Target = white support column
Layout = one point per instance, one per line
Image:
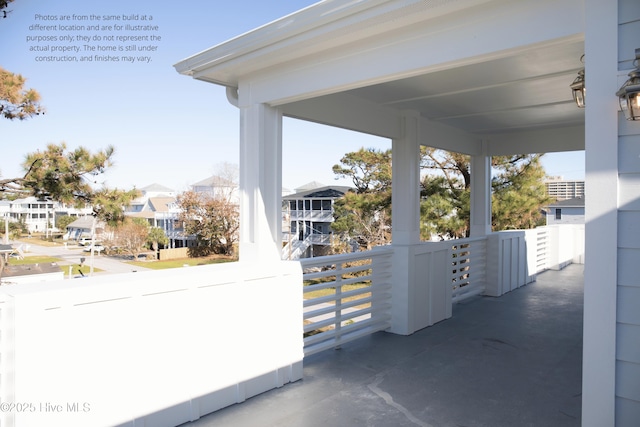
(406, 224)
(406, 183)
(481, 193)
(260, 182)
(601, 214)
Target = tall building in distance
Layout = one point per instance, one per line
(561, 189)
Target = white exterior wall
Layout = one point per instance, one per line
(569, 215)
(628, 298)
(611, 355)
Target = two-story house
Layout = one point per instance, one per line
(307, 218)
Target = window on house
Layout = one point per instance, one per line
(292, 205)
(326, 205)
(316, 205)
(300, 205)
(307, 205)
(558, 213)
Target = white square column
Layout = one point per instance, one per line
(405, 188)
(480, 194)
(405, 202)
(260, 182)
(601, 214)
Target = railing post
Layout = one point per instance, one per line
(338, 306)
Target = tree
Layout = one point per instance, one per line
(16, 102)
(63, 221)
(157, 237)
(369, 170)
(69, 177)
(445, 194)
(214, 221)
(131, 235)
(59, 174)
(3, 5)
(519, 193)
(16, 229)
(365, 215)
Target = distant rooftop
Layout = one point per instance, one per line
(156, 188)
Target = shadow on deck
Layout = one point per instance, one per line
(509, 361)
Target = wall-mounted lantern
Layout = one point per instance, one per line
(629, 93)
(578, 89)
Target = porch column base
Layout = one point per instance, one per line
(422, 289)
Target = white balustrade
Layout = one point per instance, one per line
(345, 297)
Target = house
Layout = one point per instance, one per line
(40, 215)
(84, 228)
(307, 216)
(568, 211)
(218, 187)
(158, 205)
(481, 77)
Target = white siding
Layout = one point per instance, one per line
(628, 307)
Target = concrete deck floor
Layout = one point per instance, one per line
(511, 361)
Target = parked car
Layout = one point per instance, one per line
(84, 241)
(96, 248)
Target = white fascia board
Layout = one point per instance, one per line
(570, 138)
(319, 27)
(281, 31)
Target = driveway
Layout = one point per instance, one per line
(72, 254)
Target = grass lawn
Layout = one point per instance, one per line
(41, 242)
(345, 288)
(33, 260)
(64, 266)
(177, 263)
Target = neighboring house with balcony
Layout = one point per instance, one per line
(218, 187)
(39, 216)
(307, 218)
(568, 211)
(158, 205)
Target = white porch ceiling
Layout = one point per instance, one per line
(527, 90)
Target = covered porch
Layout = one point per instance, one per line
(509, 361)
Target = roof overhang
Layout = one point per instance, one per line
(474, 70)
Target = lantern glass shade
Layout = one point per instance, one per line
(629, 96)
(578, 90)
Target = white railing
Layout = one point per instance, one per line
(320, 239)
(315, 216)
(469, 262)
(539, 241)
(295, 247)
(345, 297)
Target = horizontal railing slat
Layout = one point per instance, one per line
(374, 295)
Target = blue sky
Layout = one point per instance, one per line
(167, 128)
